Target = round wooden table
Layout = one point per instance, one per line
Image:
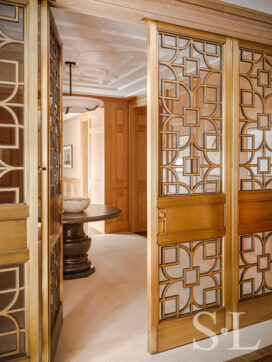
(76, 243)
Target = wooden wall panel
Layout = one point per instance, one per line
(138, 172)
(117, 162)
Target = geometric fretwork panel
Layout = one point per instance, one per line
(255, 120)
(190, 277)
(255, 264)
(11, 103)
(12, 312)
(55, 281)
(55, 116)
(190, 108)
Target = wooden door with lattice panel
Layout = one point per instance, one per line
(19, 272)
(188, 192)
(253, 79)
(52, 248)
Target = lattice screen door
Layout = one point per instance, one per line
(209, 183)
(19, 283)
(51, 95)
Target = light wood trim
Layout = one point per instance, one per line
(262, 195)
(61, 173)
(226, 19)
(16, 2)
(13, 212)
(13, 234)
(190, 200)
(262, 306)
(176, 332)
(31, 142)
(21, 359)
(200, 234)
(233, 9)
(191, 32)
(256, 227)
(245, 44)
(19, 256)
(227, 178)
(45, 338)
(152, 186)
(235, 176)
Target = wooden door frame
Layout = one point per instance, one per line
(211, 15)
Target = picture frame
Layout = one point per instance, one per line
(68, 156)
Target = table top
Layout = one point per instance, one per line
(93, 213)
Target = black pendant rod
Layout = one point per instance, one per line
(70, 64)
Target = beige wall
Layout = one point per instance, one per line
(96, 182)
(71, 176)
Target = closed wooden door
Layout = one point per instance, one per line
(137, 171)
(209, 184)
(253, 187)
(188, 185)
(51, 140)
(19, 244)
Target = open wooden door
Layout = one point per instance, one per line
(19, 272)
(189, 246)
(52, 260)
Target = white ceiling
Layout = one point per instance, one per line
(111, 55)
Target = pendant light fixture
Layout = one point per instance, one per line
(74, 104)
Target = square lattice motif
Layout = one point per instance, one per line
(247, 56)
(210, 94)
(255, 265)
(211, 141)
(191, 116)
(191, 67)
(263, 262)
(247, 243)
(210, 249)
(191, 166)
(191, 277)
(247, 142)
(247, 98)
(263, 78)
(264, 121)
(264, 165)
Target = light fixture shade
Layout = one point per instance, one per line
(73, 104)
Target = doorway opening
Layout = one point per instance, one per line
(107, 164)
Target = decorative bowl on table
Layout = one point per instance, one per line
(75, 204)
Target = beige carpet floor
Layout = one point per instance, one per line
(105, 315)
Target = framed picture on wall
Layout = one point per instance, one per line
(68, 156)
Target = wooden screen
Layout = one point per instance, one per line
(19, 297)
(52, 249)
(187, 231)
(255, 183)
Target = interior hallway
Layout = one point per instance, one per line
(105, 314)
